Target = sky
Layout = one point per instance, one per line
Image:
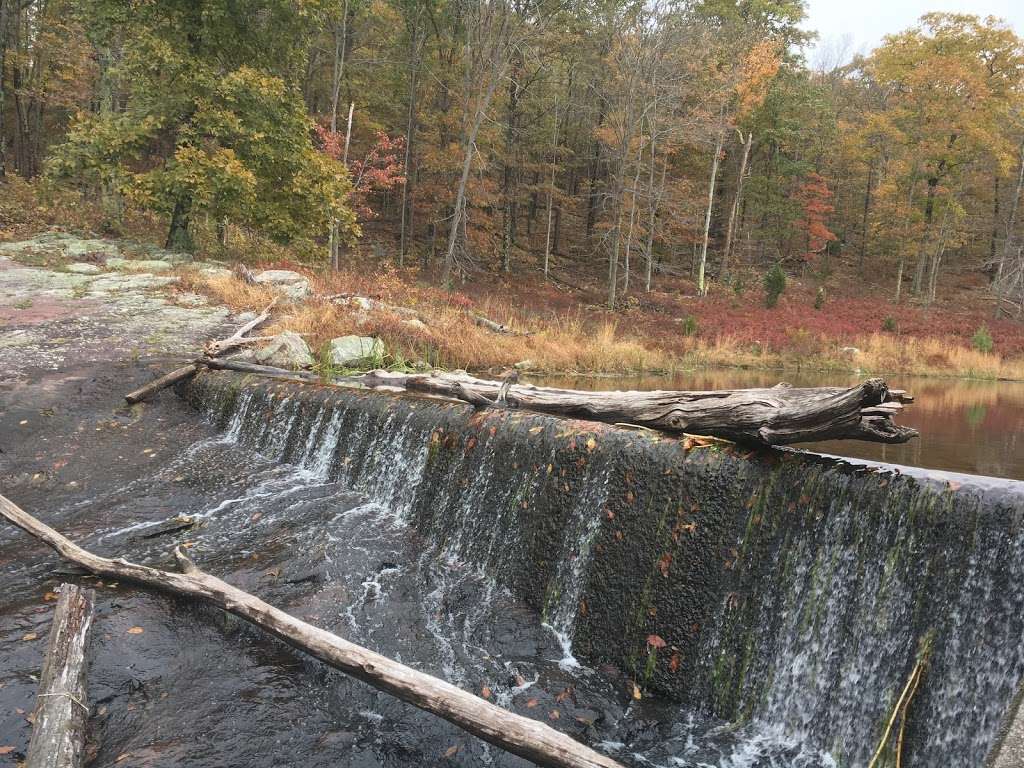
(846, 28)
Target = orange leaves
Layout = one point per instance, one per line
(655, 641)
(136, 631)
(664, 563)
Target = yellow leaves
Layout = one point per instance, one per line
(636, 692)
(30, 637)
(136, 631)
(49, 597)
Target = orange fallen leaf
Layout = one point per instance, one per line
(636, 692)
(30, 636)
(6, 750)
(136, 631)
(655, 641)
(663, 564)
(486, 692)
(673, 664)
(531, 704)
(50, 596)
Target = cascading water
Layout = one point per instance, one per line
(832, 582)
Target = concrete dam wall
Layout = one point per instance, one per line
(765, 585)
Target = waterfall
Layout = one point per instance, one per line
(791, 594)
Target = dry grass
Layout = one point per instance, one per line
(569, 342)
(450, 338)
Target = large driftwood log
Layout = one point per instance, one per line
(530, 739)
(58, 731)
(779, 415)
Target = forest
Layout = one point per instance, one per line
(631, 149)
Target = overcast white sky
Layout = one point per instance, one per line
(846, 27)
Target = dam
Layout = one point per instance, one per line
(785, 598)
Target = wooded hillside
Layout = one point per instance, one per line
(626, 140)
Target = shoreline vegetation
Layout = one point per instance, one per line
(563, 330)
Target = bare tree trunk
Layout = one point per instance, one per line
(551, 193)
(337, 73)
(632, 216)
(1011, 235)
(58, 730)
(531, 739)
(864, 219)
(730, 232)
(702, 287)
(653, 216)
(509, 166)
(406, 230)
(5, 7)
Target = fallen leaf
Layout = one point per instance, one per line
(673, 664)
(486, 692)
(122, 756)
(636, 692)
(655, 641)
(591, 444)
(531, 704)
(663, 564)
(6, 750)
(553, 714)
(30, 636)
(450, 752)
(50, 596)
(562, 696)
(136, 631)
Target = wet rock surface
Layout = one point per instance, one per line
(172, 684)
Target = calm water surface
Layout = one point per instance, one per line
(975, 427)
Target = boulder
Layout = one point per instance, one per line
(349, 350)
(286, 350)
(291, 284)
(139, 265)
(83, 268)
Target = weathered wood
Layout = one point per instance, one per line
(167, 380)
(237, 339)
(213, 349)
(523, 736)
(490, 325)
(58, 731)
(779, 415)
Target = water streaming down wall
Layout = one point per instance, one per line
(765, 586)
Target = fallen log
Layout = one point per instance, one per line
(167, 380)
(523, 736)
(490, 325)
(213, 349)
(237, 339)
(778, 415)
(58, 730)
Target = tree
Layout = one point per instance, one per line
(204, 128)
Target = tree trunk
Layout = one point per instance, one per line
(179, 236)
(530, 739)
(406, 227)
(5, 6)
(551, 194)
(467, 163)
(509, 168)
(730, 232)
(702, 287)
(58, 730)
(864, 219)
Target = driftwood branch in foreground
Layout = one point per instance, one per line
(213, 349)
(58, 731)
(530, 739)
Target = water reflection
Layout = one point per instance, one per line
(975, 427)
